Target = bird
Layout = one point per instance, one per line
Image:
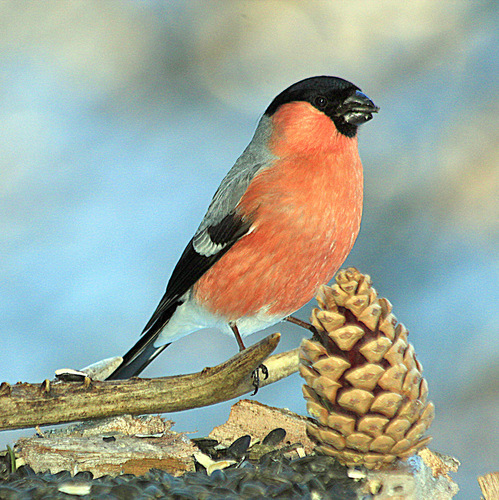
(281, 223)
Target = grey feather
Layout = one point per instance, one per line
(254, 158)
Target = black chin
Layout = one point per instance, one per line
(348, 129)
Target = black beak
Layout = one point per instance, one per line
(357, 108)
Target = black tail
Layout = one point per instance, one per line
(137, 358)
(143, 352)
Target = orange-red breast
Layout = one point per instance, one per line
(281, 223)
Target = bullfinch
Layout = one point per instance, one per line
(281, 223)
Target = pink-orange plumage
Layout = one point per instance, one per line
(307, 209)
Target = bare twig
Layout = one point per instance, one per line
(27, 405)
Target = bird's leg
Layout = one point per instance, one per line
(240, 342)
(256, 374)
(301, 323)
(304, 324)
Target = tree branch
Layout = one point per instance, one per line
(27, 405)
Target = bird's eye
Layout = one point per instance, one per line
(320, 102)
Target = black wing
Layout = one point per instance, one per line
(206, 248)
(201, 253)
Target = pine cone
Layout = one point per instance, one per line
(363, 381)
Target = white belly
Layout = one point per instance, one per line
(190, 317)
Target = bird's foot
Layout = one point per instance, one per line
(256, 377)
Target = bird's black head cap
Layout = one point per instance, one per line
(339, 99)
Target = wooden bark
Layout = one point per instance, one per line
(489, 484)
(28, 405)
(257, 420)
(120, 445)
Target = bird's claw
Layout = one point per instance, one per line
(256, 377)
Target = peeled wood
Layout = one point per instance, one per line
(257, 420)
(133, 446)
(27, 405)
(489, 484)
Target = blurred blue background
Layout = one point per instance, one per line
(119, 119)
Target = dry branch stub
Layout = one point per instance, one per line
(364, 385)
